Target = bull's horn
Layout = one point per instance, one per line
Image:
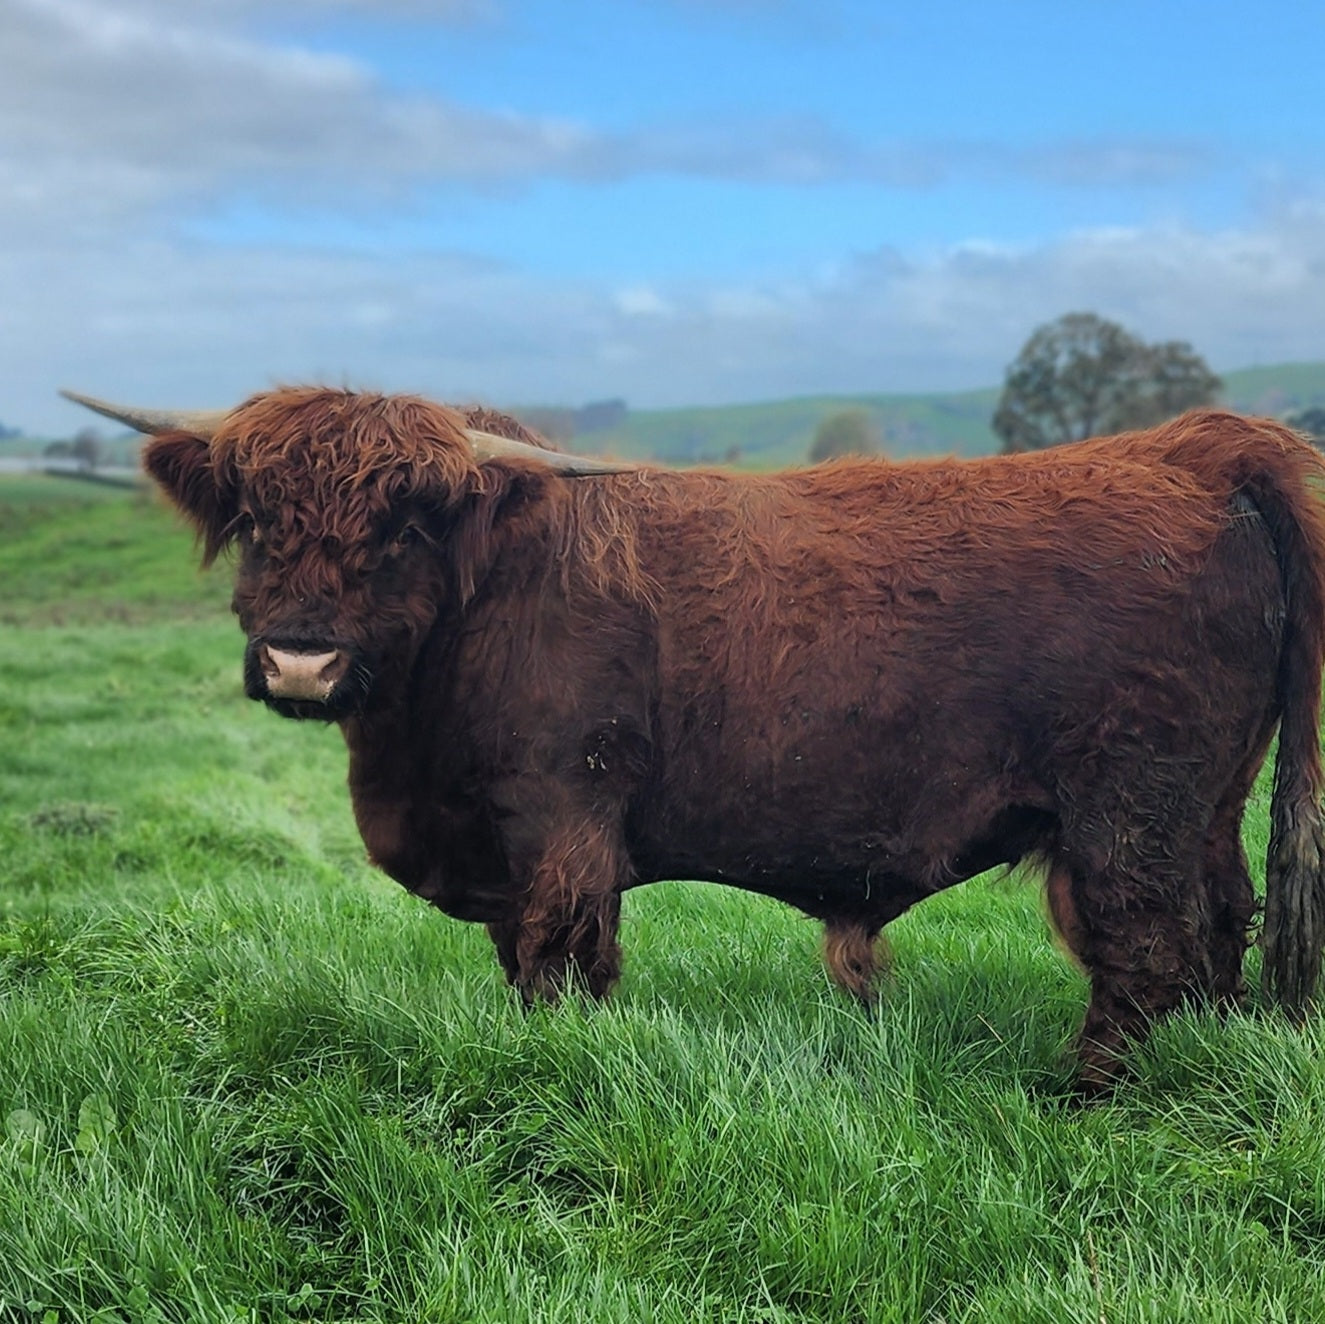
(201, 422)
(489, 446)
(204, 423)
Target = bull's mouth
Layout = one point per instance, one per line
(318, 681)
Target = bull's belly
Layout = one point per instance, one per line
(881, 895)
(861, 872)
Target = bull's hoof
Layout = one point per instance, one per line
(1101, 1069)
(548, 984)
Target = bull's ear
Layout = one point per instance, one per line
(184, 466)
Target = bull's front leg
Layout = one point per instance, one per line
(569, 872)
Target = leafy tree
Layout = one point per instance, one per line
(1083, 376)
(86, 448)
(1311, 421)
(848, 432)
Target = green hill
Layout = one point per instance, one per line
(1281, 389)
(775, 433)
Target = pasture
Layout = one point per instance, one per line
(243, 1077)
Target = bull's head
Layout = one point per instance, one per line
(356, 517)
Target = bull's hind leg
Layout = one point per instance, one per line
(1143, 961)
(1232, 905)
(1136, 917)
(1231, 899)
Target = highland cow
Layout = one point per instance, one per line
(846, 687)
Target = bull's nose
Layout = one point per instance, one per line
(301, 675)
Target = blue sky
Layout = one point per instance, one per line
(677, 201)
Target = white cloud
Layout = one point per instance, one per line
(205, 328)
(114, 116)
(125, 106)
(1116, 162)
(642, 301)
(444, 11)
(121, 118)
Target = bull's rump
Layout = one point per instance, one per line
(890, 681)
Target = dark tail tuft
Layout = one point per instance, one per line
(1294, 931)
(1286, 481)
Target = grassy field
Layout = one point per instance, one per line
(243, 1077)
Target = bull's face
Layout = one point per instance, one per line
(331, 622)
(350, 517)
(359, 520)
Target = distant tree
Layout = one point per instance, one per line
(1082, 376)
(599, 415)
(848, 432)
(58, 450)
(732, 455)
(86, 448)
(1311, 421)
(561, 424)
(1171, 377)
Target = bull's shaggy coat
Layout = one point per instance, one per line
(846, 687)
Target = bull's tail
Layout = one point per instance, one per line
(1285, 477)
(1286, 480)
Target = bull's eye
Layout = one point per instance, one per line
(245, 528)
(411, 535)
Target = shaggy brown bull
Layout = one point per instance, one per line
(846, 687)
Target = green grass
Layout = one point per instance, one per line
(41, 490)
(245, 1077)
(74, 552)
